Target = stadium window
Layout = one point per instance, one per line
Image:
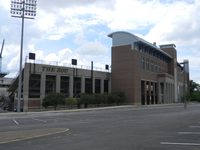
(64, 86)
(34, 86)
(50, 84)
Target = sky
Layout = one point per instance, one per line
(77, 29)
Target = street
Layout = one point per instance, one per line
(160, 127)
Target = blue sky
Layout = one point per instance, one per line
(66, 29)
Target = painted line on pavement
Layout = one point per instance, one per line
(44, 121)
(188, 132)
(15, 121)
(33, 137)
(194, 126)
(184, 144)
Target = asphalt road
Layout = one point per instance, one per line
(125, 128)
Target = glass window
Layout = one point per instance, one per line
(106, 86)
(64, 86)
(50, 84)
(77, 87)
(97, 86)
(34, 86)
(88, 85)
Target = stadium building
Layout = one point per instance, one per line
(146, 73)
(39, 80)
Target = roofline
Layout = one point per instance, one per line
(141, 40)
(111, 34)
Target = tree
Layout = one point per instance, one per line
(194, 86)
(194, 91)
(53, 99)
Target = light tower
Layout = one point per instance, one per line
(1, 54)
(24, 9)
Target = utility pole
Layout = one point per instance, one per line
(24, 9)
(1, 55)
(92, 77)
(184, 87)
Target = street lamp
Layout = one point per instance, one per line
(185, 70)
(24, 9)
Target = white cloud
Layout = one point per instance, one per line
(92, 48)
(5, 4)
(181, 24)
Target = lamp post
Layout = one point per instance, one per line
(92, 74)
(24, 9)
(184, 90)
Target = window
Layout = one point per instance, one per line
(106, 86)
(88, 85)
(34, 86)
(97, 86)
(64, 86)
(77, 87)
(147, 64)
(50, 84)
(143, 63)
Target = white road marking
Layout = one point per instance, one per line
(185, 144)
(194, 126)
(39, 120)
(188, 132)
(15, 121)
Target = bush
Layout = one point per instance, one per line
(87, 99)
(53, 99)
(99, 99)
(96, 99)
(117, 98)
(71, 101)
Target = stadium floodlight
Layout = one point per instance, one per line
(24, 9)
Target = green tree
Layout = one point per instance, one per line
(194, 91)
(54, 100)
(194, 86)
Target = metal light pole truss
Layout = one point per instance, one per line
(24, 9)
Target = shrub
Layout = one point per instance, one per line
(99, 99)
(71, 101)
(117, 98)
(53, 99)
(86, 99)
(96, 99)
